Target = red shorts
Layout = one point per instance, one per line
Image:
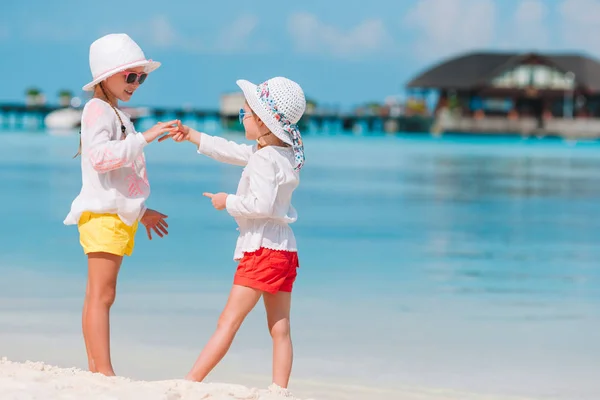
(267, 270)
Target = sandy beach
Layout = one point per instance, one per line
(37, 380)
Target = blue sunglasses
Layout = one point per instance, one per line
(243, 114)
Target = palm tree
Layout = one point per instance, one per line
(64, 97)
(34, 96)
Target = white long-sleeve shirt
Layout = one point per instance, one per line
(262, 204)
(113, 170)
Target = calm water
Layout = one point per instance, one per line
(456, 263)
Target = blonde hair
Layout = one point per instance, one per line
(79, 149)
(98, 85)
(268, 139)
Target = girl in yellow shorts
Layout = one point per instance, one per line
(114, 183)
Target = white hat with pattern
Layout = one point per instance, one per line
(280, 103)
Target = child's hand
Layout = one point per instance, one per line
(181, 134)
(160, 128)
(219, 200)
(154, 220)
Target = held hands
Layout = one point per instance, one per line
(219, 200)
(183, 133)
(159, 128)
(153, 220)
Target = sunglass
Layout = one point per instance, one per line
(243, 114)
(131, 77)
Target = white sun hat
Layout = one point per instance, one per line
(280, 103)
(114, 53)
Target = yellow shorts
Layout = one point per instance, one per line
(106, 233)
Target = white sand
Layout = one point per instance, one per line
(36, 380)
(40, 381)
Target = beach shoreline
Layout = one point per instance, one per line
(428, 365)
(36, 380)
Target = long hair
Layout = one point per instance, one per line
(106, 97)
(79, 149)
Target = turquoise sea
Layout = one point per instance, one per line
(467, 264)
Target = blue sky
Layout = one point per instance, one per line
(343, 53)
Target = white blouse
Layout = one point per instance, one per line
(113, 170)
(262, 204)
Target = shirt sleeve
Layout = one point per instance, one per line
(225, 150)
(142, 211)
(262, 191)
(107, 154)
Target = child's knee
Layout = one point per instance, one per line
(281, 329)
(105, 295)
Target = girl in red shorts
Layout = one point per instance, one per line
(266, 247)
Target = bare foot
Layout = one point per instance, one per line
(107, 373)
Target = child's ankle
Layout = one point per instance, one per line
(275, 388)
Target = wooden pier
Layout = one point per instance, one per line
(23, 117)
(14, 116)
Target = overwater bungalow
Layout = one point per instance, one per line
(520, 93)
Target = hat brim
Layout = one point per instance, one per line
(148, 65)
(249, 90)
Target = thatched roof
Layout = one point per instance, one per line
(474, 70)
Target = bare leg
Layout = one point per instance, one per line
(278, 318)
(88, 349)
(241, 301)
(103, 269)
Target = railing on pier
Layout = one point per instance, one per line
(20, 116)
(14, 116)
